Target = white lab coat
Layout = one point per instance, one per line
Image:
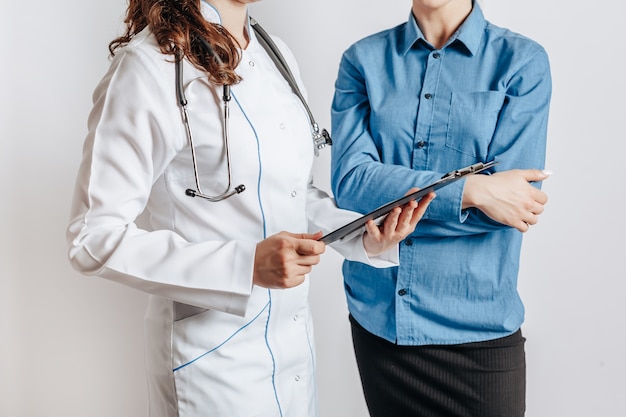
(216, 345)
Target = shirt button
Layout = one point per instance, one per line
(402, 292)
(408, 242)
(421, 144)
(428, 96)
(294, 193)
(436, 55)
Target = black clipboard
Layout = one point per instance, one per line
(447, 179)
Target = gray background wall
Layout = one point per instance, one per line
(72, 346)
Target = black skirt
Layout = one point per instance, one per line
(482, 379)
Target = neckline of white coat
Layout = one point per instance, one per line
(211, 14)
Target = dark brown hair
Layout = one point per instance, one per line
(178, 26)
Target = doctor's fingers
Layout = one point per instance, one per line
(422, 205)
(309, 247)
(310, 236)
(301, 243)
(404, 221)
(413, 211)
(280, 281)
(290, 275)
(395, 217)
(277, 272)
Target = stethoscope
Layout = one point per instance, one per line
(320, 138)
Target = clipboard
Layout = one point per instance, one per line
(447, 179)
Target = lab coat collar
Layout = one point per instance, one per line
(211, 14)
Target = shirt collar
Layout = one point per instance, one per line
(471, 31)
(469, 34)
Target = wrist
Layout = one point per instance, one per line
(371, 247)
(471, 193)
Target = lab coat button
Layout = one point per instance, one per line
(295, 318)
(282, 126)
(293, 193)
(251, 63)
(297, 378)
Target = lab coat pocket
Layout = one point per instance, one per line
(218, 360)
(472, 121)
(183, 311)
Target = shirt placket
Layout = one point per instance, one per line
(426, 109)
(408, 253)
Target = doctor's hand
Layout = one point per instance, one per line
(508, 197)
(397, 225)
(282, 260)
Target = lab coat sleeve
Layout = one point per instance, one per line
(324, 215)
(134, 132)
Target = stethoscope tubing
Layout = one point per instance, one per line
(182, 101)
(320, 138)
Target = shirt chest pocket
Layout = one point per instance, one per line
(472, 120)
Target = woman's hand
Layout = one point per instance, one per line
(282, 260)
(398, 224)
(508, 197)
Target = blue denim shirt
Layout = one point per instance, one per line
(405, 113)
